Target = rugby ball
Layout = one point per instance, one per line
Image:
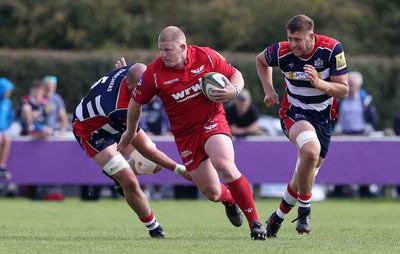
(210, 81)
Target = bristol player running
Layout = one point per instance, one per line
(98, 122)
(315, 72)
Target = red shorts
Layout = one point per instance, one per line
(191, 143)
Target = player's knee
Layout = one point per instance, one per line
(311, 154)
(212, 194)
(212, 197)
(131, 187)
(229, 173)
(142, 165)
(223, 167)
(129, 184)
(147, 147)
(115, 165)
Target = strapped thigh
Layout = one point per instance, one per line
(116, 164)
(305, 137)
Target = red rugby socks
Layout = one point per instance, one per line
(243, 196)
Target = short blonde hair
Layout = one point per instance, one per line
(172, 34)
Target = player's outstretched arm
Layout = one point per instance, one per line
(132, 121)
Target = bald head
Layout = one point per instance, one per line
(172, 34)
(134, 73)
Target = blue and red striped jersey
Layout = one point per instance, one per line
(103, 110)
(328, 59)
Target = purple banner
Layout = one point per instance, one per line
(267, 160)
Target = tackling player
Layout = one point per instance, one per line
(98, 122)
(198, 124)
(315, 72)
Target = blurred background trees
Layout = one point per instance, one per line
(101, 30)
(364, 26)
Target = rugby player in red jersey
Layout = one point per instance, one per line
(198, 124)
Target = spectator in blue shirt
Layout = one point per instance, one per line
(6, 119)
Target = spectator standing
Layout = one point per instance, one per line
(57, 117)
(357, 112)
(243, 116)
(6, 119)
(357, 117)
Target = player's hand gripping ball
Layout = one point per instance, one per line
(210, 81)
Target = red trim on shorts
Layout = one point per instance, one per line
(84, 130)
(287, 121)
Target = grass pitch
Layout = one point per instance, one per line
(109, 226)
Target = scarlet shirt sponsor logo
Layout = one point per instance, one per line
(198, 70)
(171, 81)
(210, 127)
(188, 93)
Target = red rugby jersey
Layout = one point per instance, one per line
(180, 90)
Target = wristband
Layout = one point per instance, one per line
(179, 169)
(237, 90)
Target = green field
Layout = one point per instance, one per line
(108, 226)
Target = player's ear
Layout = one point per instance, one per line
(313, 36)
(183, 47)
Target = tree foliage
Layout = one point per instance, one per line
(364, 26)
